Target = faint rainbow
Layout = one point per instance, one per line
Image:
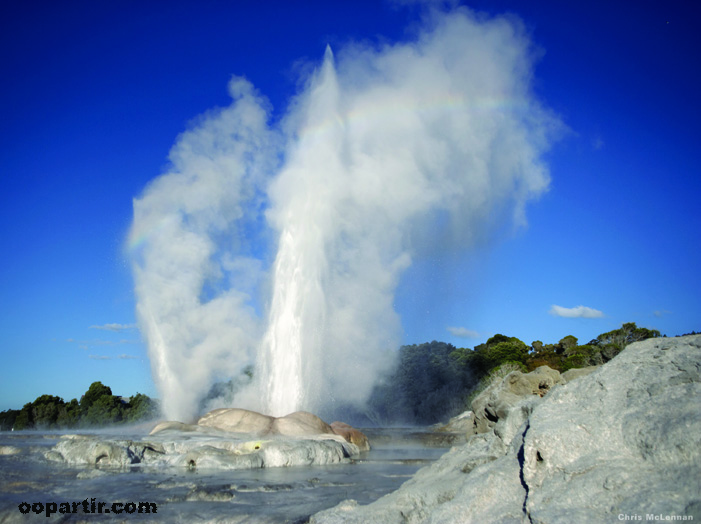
(138, 236)
(367, 114)
(398, 108)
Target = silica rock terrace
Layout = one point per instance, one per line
(620, 443)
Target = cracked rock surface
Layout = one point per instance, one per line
(623, 440)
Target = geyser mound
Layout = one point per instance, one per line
(386, 154)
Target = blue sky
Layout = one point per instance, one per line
(95, 94)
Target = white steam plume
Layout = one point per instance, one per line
(387, 153)
(191, 261)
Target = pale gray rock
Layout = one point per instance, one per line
(300, 424)
(91, 451)
(500, 397)
(174, 425)
(211, 450)
(575, 373)
(237, 420)
(431, 487)
(297, 424)
(462, 423)
(333, 449)
(624, 440)
(627, 438)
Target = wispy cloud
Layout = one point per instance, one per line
(462, 332)
(114, 327)
(575, 312)
(85, 344)
(123, 356)
(661, 313)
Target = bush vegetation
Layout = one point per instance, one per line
(97, 407)
(435, 381)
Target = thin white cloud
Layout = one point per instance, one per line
(575, 312)
(99, 357)
(85, 344)
(462, 332)
(661, 313)
(127, 357)
(114, 327)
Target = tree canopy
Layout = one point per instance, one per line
(97, 407)
(433, 381)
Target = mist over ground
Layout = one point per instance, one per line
(280, 243)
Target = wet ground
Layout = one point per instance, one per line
(273, 495)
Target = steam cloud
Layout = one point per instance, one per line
(282, 244)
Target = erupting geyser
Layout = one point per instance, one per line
(384, 150)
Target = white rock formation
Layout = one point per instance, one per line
(222, 439)
(623, 441)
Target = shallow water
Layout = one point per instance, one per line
(261, 495)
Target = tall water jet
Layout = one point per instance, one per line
(387, 154)
(302, 207)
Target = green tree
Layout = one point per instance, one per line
(140, 407)
(69, 415)
(626, 334)
(94, 392)
(7, 419)
(45, 411)
(568, 342)
(613, 342)
(25, 419)
(107, 409)
(497, 350)
(513, 350)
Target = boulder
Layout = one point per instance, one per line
(173, 425)
(622, 443)
(495, 402)
(300, 424)
(297, 424)
(91, 452)
(575, 373)
(352, 435)
(236, 420)
(462, 423)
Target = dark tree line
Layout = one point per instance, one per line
(433, 381)
(97, 407)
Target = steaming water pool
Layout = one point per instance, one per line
(261, 495)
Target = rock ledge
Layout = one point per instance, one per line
(623, 440)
